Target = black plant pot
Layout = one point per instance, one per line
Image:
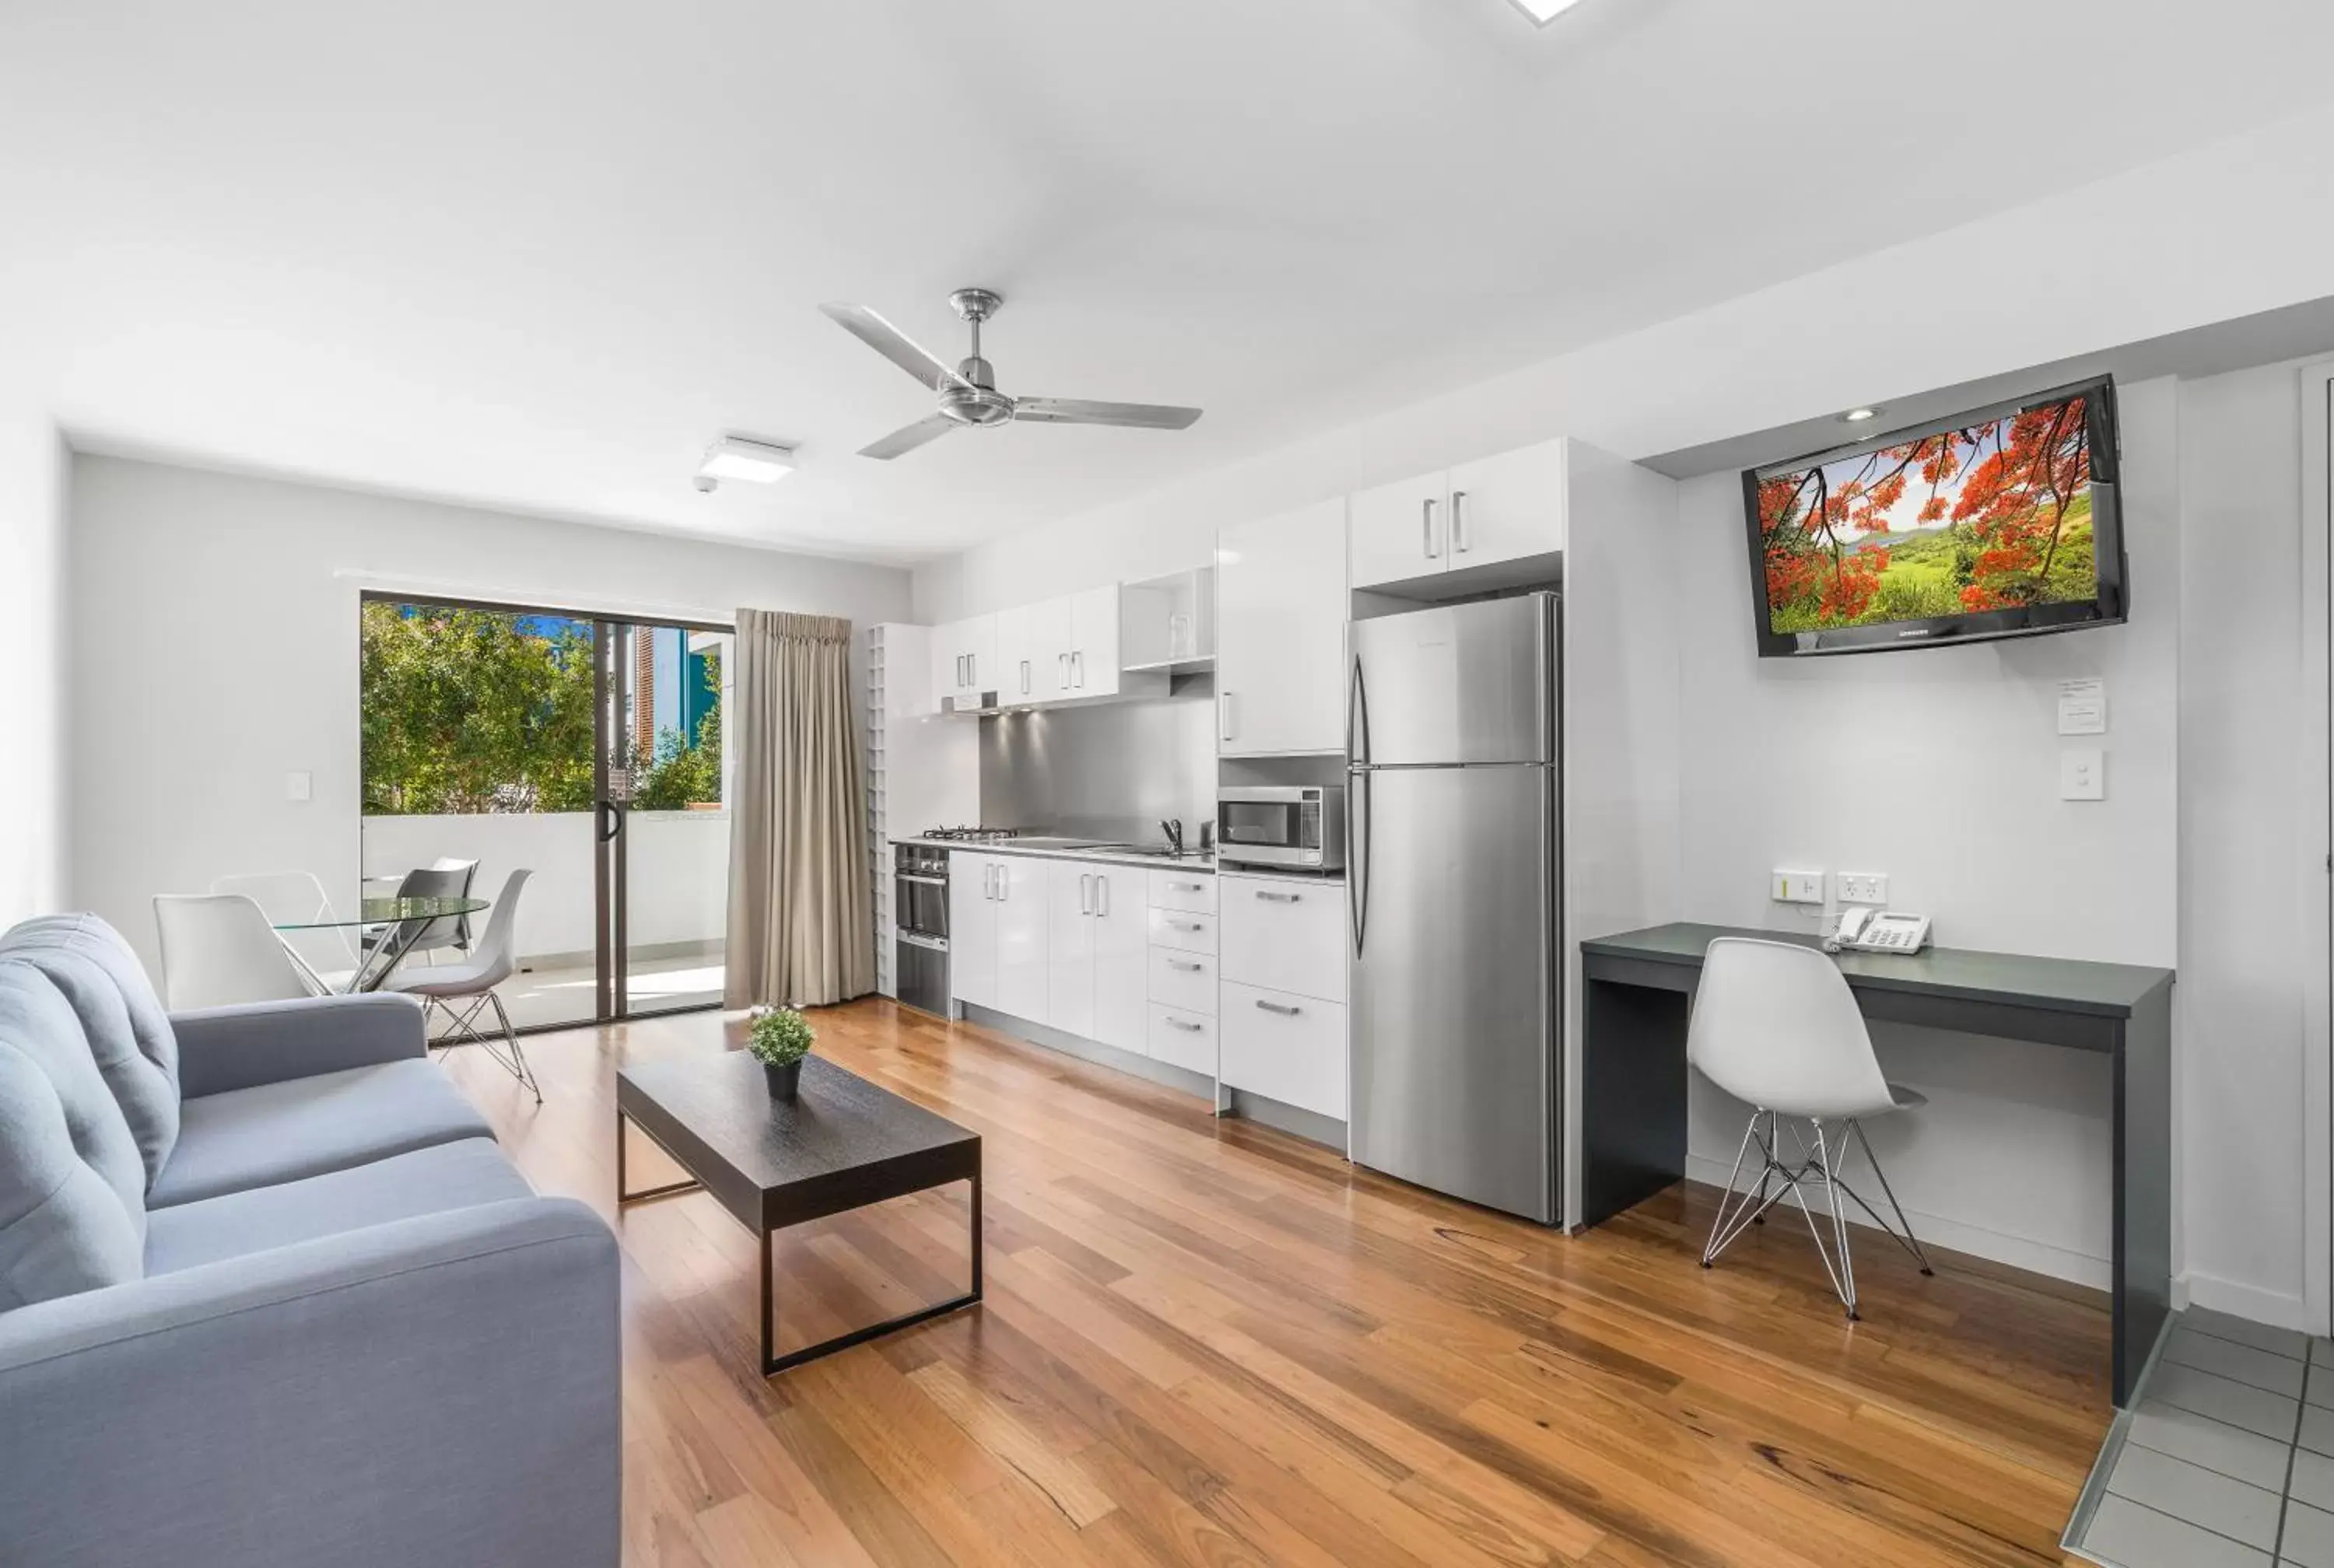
(783, 1081)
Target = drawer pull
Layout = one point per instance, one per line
(1187, 969)
(1276, 897)
(1187, 887)
(1187, 1028)
(1185, 925)
(1283, 1009)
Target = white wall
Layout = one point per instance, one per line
(214, 650)
(33, 738)
(1939, 767)
(2243, 864)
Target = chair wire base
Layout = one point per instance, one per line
(506, 1050)
(1741, 1206)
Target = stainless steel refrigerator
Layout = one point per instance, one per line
(1454, 877)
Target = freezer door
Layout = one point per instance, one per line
(1460, 683)
(1454, 983)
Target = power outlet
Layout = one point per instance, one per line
(1797, 887)
(1862, 888)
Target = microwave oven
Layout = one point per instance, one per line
(1293, 826)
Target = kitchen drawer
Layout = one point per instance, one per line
(1185, 1040)
(1188, 890)
(1285, 1047)
(1183, 979)
(1285, 934)
(1186, 932)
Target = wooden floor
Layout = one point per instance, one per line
(1205, 1343)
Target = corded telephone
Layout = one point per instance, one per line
(1868, 930)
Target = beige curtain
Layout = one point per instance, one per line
(802, 931)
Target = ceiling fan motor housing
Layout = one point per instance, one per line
(976, 399)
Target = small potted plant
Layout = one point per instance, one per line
(779, 1040)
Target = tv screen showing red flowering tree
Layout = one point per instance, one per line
(1996, 513)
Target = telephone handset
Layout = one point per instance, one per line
(1867, 931)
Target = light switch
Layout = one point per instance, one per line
(2082, 776)
(298, 787)
(1797, 888)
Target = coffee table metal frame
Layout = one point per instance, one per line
(850, 1188)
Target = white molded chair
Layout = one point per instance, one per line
(473, 984)
(322, 951)
(1775, 1025)
(217, 950)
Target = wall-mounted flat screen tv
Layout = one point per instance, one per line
(2001, 522)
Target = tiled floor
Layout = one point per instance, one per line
(2228, 1458)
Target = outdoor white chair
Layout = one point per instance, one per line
(472, 984)
(444, 878)
(1775, 1025)
(217, 950)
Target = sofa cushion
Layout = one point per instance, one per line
(128, 1032)
(303, 1127)
(402, 1187)
(73, 1213)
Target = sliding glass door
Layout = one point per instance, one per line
(586, 751)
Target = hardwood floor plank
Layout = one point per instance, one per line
(1206, 1342)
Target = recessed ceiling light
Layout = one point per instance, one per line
(1544, 12)
(1857, 416)
(736, 457)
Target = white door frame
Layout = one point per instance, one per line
(2314, 837)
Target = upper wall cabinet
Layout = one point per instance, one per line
(964, 657)
(1281, 634)
(1031, 641)
(1480, 513)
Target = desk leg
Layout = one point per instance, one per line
(2143, 1187)
(1633, 1076)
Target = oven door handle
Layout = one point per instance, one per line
(922, 881)
(918, 939)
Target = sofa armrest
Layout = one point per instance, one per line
(238, 1047)
(441, 1390)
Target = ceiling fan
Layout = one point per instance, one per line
(969, 394)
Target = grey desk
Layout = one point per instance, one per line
(1636, 988)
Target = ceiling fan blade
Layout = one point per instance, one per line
(1080, 411)
(894, 345)
(930, 427)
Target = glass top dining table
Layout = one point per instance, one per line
(399, 923)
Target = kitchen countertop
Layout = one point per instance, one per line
(1067, 850)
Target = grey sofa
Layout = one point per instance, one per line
(270, 1294)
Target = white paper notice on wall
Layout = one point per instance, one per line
(2083, 706)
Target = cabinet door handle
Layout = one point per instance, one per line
(1276, 897)
(1025, 677)
(1458, 522)
(1187, 1028)
(1062, 671)
(1102, 894)
(1186, 968)
(1283, 1009)
(1427, 526)
(1079, 670)
(1004, 884)
(1086, 895)
(1224, 714)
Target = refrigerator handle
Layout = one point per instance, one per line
(1357, 857)
(1357, 718)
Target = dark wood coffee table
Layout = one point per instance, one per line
(844, 1144)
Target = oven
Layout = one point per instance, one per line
(920, 927)
(1299, 826)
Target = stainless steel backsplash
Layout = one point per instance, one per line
(1109, 772)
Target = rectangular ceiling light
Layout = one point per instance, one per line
(1544, 12)
(736, 457)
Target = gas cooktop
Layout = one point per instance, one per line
(972, 835)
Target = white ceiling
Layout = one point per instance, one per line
(537, 255)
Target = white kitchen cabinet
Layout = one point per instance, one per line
(1509, 506)
(1281, 634)
(1285, 934)
(1184, 933)
(1032, 642)
(964, 656)
(1121, 938)
(1183, 980)
(972, 929)
(1183, 1038)
(1480, 513)
(1400, 531)
(1069, 951)
(1284, 1047)
(1093, 663)
(1024, 976)
(1193, 891)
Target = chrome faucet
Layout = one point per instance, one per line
(1173, 828)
